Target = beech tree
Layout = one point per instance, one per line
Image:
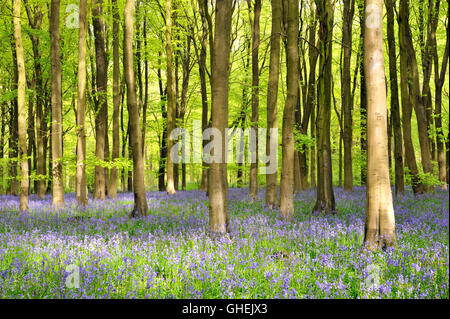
(81, 187)
(254, 22)
(100, 100)
(22, 110)
(140, 201)
(113, 179)
(347, 101)
(217, 183)
(272, 95)
(380, 221)
(171, 99)
(287, 164)
(395, 105)
(56, 134)
(325, 195)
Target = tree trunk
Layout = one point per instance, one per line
(140, 200)
(171, 99)
(218, 184)
(287, 169)
(312, 92)
(22, 109)
(113, 179)
(380, 221)
(81, 194)
(203, 88)
(13, 129)
(253, 187)
(325, 195)
(349, 10)
(2, 145)
(414, 89)
(395, 105)
(57, 141)
(163, 137)
(272, 97)
(417, 185)
(439, 80)
(35, 23)
(427, 65)
(101, 99)
(363, 99)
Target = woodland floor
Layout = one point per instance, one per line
(168, 254)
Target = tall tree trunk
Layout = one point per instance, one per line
(13, 129)
(312, 92)
(287, 169)
(81, 194)
(186, 65)
(171, 99)
(395, 105)
(427, 64)
(203, 88)
(56, 140)
(22, 109)
(2, 145)
(145, 102)
(349, 10)
(439, 80)
(101, 99)
(253, 187)
(325, 195)
(272, 97)
(113, 179)
(414, 89)
(380, 221)
(140, 201)
(163, 138)
(363, 98)
(35, 23)
(218, 183)
(417, 185)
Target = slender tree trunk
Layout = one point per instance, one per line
(113, 179)
(287, 169)
(186, 65)
(124, 136)
(218, 184)
(272, 97)
(417, 185)
(82, 196)
(140, 201)
(325, 194)
(101, 87)
(395, 105)
(13, 128)
(427, 65)
(380, 220)
(22, 109)
(253, 187)
(439, 80)
(414, 89)
(35, 23)
(297, 124)
(2, 146)
(171, 99)
(145, 102)
(349, 10)
(56, 140)
(363, 98)
(203, 88)
(312, 92)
